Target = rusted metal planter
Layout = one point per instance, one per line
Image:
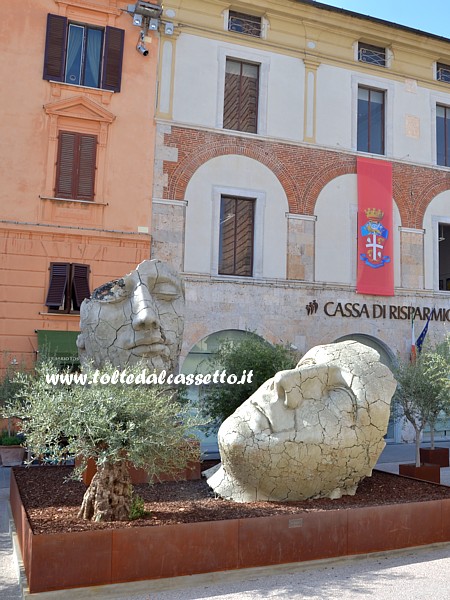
(435, 456)
(426, 472)
(11, 456)
(52, 561)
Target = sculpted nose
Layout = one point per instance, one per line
(144, 313)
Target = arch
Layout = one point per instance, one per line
(387, 357)
(427, 195)
(186, 168)
(335, 241)
(344, 165)
(244, 177)
(196, 361)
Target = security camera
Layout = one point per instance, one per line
(168, 29)
(142, 49)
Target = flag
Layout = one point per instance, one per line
(375, 271)
(413, 342)
(421, 338)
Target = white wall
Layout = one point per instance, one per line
(336, 233)
(334, 101)
(410, 113)
(199, 84)
(241, 176)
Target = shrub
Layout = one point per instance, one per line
(137, 508)
(252, 354)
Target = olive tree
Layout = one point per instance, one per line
(423, 390)
(438, 372)
(115, 424)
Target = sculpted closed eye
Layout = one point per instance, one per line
(167, 292)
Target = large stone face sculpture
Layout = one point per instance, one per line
(314, 431)
(139, 317)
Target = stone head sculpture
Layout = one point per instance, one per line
(310, 432)
(137, 318)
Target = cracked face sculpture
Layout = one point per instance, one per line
(314, 431)
(136, 318)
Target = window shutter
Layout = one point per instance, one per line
(244, 237)
(80, 285)
(112, 60)
(86, 167)
(55, 48)
(248, 103)
(236, 236)
(240, 111)
(231, 101)
(75, 171)
(59, 275)
(67, 154)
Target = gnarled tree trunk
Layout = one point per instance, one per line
(108, 498)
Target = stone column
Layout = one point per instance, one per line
(300, 247)
(412, 258)
(168, 218)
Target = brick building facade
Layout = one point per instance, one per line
(331, 85)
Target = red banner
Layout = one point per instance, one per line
(375, 273)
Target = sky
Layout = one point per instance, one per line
(432, 16)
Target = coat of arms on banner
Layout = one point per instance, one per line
(375, 235)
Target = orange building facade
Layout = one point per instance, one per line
(76, 151)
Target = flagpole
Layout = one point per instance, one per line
(413, 342)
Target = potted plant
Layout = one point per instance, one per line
(12, 451)
(422, 385)
(439, 365)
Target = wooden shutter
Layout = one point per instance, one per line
(59, 276)
(75, 171)
(66, 165)
(231, 102)
(80, 285)
(240, 111)
(87, 154)
(227, 235)
(244, 237)
(112, 60)
(55, 48)
(248, 113)
(236, 236)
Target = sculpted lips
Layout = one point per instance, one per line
(148, 345)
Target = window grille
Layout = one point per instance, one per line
(373, 55)
(242, 23)
(443, 72)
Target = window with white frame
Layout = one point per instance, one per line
(371, 120)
